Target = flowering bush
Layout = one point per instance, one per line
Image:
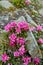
(20, 3)
(14, 45)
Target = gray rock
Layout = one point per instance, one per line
(41, 2)
(4, 20)
(32, 46)
(21, 19)
(41, 11)
(0, 57)
(29, 19)
(6, 4)
(22, 12)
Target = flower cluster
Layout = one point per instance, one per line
(26, 60)
(13, 25)
(5, 57)
(36, 61)
(9, 26)
(17, 44)
(38, 28)
(40, 41)
(20, 51)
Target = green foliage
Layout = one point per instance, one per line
(36, 4)
(3, 42)
(41, 63)
(1, 8)
(0, 63)
(31, 63)
(19, 3)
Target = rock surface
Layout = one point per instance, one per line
(32, 46)
(6, 4)
(41, 11)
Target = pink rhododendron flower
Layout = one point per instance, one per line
(21, 41)
(39, 28)
(9, 63)
(40, 40)
(32, 28)
(12, 37)
(7, 27)
(26, 60)
(27, 2)
(13, 24)
(12, 43)
(36, 60)
(25, 63)
(22, 50)
(18, 30)
(24, 25)
(16, 54)
(5, 57)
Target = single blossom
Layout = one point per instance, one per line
(27, 2)
(23, 25)
(40, 41)
(18, 30)
(12, 37)
(13, 24)
(36, 60)
(9, 63)
(12, 43)
(7, 27)
(22, 50)
(21, 41)
(39, 28)
(25, 63)
(5, 57)
(26, 60)
(16, 54)
(32, 29)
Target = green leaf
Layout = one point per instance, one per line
(0, 63)
(31, 63)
